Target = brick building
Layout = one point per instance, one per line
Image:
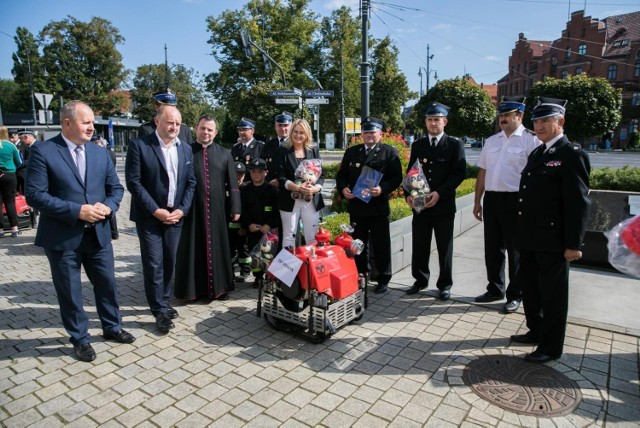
(608, 48)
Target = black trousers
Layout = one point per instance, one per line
(374, 231)
(545, 287)
(499, 216)
(423, 227)
(8, 184)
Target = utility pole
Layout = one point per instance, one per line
(420, 74)
(166, 69)
(33, 102)
(343, 125)
(364, 67)
(429, 57)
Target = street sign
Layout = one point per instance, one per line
(44, 99)
(316, 101)
(287, 100)
(286, 93)
(318, 93)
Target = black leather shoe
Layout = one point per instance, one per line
(121, 336)
(416, 287)
(172, 313)
(489, 297)
(85, 352)
(539, 357)
(381, 288)
(511, 306)
(444, 295)
(164, 323)
(527, 338)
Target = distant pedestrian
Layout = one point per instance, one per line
(502, 159)
(444, 165)
(9, 162)
(77, 190)
(553, 208)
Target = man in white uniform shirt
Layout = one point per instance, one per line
(502, 159)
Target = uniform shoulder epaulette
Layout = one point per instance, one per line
(576, 146)
(527, 130)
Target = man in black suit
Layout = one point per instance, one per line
(76, 189)
(271, 147)
(553, 208)
(444, 165)
(165, 98)
(370, 220)
(159, 174)
(247, 148)
(27, 138)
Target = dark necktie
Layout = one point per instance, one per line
(80, 161)
(366, 151)
(434, 141)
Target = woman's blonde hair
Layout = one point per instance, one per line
(4, 133)
(306, 128)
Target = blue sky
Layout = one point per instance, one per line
(465, 36)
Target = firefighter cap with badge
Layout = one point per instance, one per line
(510, 104)
(246, 123)
(166, 98)
(240, 168)
(258, 163)
(372, 124)
(546, 107)
(436, 109)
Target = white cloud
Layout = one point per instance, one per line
(442, 27)
(337, 4)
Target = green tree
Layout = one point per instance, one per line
(82, 62)
(389, 89)
(185, 83)
(593, 108)
(26, 55)
(340, 38)
(472, 112)
(285, 30)
(13, 98)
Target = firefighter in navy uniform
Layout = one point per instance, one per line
(272, 147)
(553, 209)
(168, 99)
(247, 148)
(371, 220)
(445, 167)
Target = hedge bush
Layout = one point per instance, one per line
(626, 179)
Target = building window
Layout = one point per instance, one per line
(517, 85)
(567, 54)
(578, 71)
(583, 33)
(526, 67)
(582, 49)
(565, 74)
(636, 70)
(633, 126)
(612, 72)
(635, 99)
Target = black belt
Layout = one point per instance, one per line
(501, 193)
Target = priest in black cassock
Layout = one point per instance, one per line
(203, 267)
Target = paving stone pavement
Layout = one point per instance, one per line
(401, 365)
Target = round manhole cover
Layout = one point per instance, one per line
(522, 387)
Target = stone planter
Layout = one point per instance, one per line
(401, 232)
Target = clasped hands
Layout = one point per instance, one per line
(167, 217)
(93, 213)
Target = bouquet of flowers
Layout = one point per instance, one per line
(307, 172)
(416, 186)
(264, 251)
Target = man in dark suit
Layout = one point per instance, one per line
(76, 189)
(553, 208)
(370, 220)
(27, 138)
(159, 174)
(444, 165)
(165, 98)
(271, 147)
(247, 148)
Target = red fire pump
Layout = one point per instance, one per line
(326, 294)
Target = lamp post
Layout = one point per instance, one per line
(33, 102)
(428, 70)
